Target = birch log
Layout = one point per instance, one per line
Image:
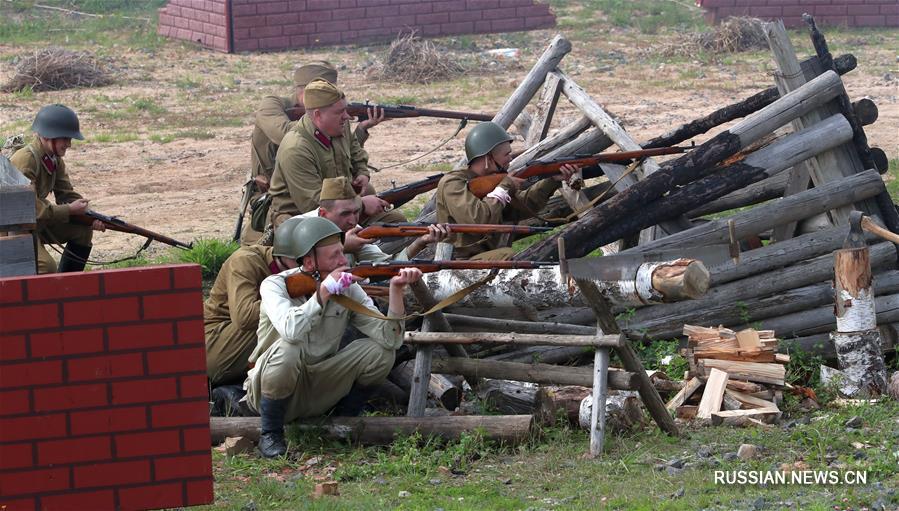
(580, 236)
(821, 319)
(857, 339)
(547, 374)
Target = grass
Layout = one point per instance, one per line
(892, 179)
(112, 138)
(551, 472)
(648, 16)
(209, 253)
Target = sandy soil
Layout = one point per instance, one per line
(190, 188)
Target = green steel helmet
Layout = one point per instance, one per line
(483, 138)
(57, 121)
(298, 238)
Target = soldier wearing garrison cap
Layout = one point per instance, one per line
(340, 204)
(318, 147)
(41, 162)
(272, 123)
(299, 368)
(488, 149)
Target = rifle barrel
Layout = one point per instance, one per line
(116, 224)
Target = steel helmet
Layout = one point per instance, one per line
(57, 121)
(298, 238)
(483, 138)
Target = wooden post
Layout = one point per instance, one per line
(600, 391)
(555, 51)
(546, 107)
(857, 339)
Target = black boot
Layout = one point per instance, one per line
(227, 402)
(74, 257)
(271, 442)
(354, 403)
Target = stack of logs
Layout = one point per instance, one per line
(740, 373)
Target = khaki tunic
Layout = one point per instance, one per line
(303, 162)
(297, 354)
(231, 313)
(456, 204)
(52, 217)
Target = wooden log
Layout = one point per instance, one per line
(856, 339)
(766, 189)
(507, 429)
(749, 400)
(622, 413)
(713, 393)
(560, 402)
(684, 394)
(557, 355)
(564, 135)
(421, 381)
(865, 110)
(510, 338)
(549, 60)
(719, 305)
(581, 235)
(751, 371)
(752, 104)
(509, 397)
(546, 107)
(442, 388)
(668, 281)
(821, 319)
(849, 190)
(546, 374)
(733, 417)
(476, 324)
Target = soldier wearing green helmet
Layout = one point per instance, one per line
(488, 150)
(231, 313)
(41, 162)
(299, 369)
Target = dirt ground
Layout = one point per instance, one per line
(175, 126)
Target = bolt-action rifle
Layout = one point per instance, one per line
(115, 224)
(421, 228)
(302, 284)
(360, 111)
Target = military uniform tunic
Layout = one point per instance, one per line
(456, 204)
(297, 354)
(48, 174)
(231, 313)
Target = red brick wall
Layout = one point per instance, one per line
(853, 13)
(103, 391)
(285, 24)
(204, 22)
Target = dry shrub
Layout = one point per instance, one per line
(57, 69)
(416, 60)
(733, 35)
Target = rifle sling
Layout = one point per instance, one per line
(348, 303)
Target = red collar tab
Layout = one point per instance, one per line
(49, 163)
(322, 138)
(273, 267)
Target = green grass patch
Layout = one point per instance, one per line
(146, 105)
(892, 179)
(196, 134)
(209, 253)
(113, 138)
(161, 139)
(648, 16)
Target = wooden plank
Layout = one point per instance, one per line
(16, 206)
(510, 338)
(421, 376)
(749, 400)
(757, 413)
(713, 394)
(752, 371)
(17, 255)
(749, 339)
(683, 394)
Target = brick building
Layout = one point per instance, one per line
(852, 13)
(270, 25)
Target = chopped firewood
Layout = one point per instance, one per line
(326, 488)
(765, 415)
(686, 412)
(749, 340)
(748, 400)
(752, 371)
(684, 393)
(744, 386)
(713, 395)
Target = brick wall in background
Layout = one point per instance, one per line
(268, 25)
(853, 13)
(103, 391)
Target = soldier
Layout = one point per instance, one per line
(299, 369)
(340, 204)
(41, 162)
(488, 148)
(272, 123)
(231, 313)
(320, 146)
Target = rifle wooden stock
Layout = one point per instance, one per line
(301, 284)
(114, 224)
(360, 111)
(420, 229)
(402, 194)
(482, 185)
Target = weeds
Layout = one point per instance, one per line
(210, 254)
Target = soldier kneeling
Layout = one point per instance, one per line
(299, 369)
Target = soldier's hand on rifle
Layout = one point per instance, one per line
(261, 183)
(406, 276)
(78, 206)
(375, 117)
(360, 183)
(336, 282)
(98, 226)
(373, 205)
(566, 172)
(353, 243)
(436, 233)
